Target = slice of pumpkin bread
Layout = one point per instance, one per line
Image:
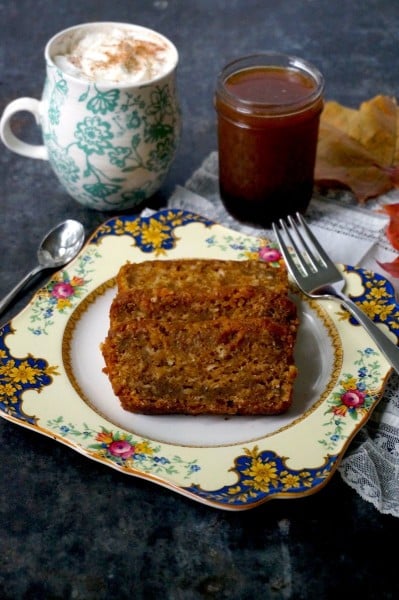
(202, 336)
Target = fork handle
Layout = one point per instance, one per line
(387, 347)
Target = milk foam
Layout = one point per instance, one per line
(114, 55)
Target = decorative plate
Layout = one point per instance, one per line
(51, 377)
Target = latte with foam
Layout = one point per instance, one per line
(114, 54)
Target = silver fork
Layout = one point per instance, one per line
(318, 277)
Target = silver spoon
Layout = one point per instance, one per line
(57, 248)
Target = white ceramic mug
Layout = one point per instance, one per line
(110, 144)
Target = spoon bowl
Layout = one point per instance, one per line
(58, 247)
(61, 244)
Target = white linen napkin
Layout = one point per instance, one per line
(351, 235)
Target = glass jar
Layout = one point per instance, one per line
(268, 107)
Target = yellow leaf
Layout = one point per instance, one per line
(359, 149)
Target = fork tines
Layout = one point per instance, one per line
(303, 242)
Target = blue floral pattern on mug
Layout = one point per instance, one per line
(111, 149)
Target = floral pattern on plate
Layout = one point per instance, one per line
(291, 460)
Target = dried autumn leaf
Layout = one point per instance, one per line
(359, 149)
(392, 233)
(392, 230)
(392, 267)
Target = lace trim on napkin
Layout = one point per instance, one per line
(351, 235)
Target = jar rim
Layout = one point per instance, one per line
(270, 59)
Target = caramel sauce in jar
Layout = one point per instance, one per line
(268, 109)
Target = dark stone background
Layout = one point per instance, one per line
(71, 528)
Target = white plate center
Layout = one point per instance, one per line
(314, 357)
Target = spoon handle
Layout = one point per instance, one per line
(4, 303)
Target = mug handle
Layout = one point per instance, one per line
(10, 140)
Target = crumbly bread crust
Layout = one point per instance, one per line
(216, 366)
(198, 305)
(202, 336)
(200, 273)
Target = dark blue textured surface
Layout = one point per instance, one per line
(71, 528)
